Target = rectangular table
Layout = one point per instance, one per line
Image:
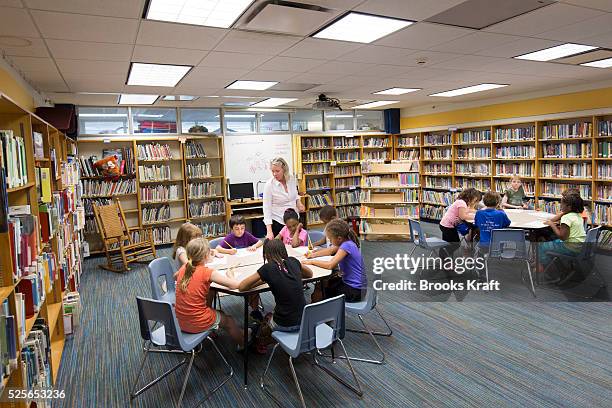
(246, 263)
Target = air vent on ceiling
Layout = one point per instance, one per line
(478, 14)
(286, 17)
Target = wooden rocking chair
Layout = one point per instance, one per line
(119, 247)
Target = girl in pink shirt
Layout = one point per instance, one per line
(293, 233)
(463, 209)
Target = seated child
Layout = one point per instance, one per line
(193, 301)
(490, 218)
(284, 275)
(326, 214)
(238, 238)
(293, 233)
(571, 191)
(456, 215)
(514, 196)
(570, 231)
(354, 280)
(186, 233)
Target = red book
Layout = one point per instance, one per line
(44, 226)
(25, 286)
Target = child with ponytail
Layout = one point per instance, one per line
(193, 300)
(354, 281)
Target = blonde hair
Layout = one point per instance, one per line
(197, 252)
(186, 233)
(282, 163)
(515, 177)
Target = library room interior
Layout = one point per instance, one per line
(323, 203)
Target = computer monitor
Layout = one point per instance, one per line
(240, 191)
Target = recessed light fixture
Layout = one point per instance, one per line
(156, 74)
(251, 85)
(212, 13)
(361, 28)
(468, 90)
(396, 91)
(179, 98)
(553, 53)
(604, 63)
(137, 99)
(272, 102)
(374, 104)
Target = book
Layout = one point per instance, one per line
(39, 148)
(14, 159)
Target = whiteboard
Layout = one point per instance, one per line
(247, 157)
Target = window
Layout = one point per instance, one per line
(370, 120)
(339, 120)
(208, 118)
(101, 121)
(273, 122)
(307, 121)
(154, 120)
(240, 122)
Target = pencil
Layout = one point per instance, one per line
(231, 247)
(309, 242)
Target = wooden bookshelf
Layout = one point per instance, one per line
(56, 154)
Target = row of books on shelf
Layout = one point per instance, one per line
(318, 155)
(439, 197)
(437, 139)
(551, 189)
(154, 173)
(473, 153)
(125, 162)
(161, 235)
(312, 216)
(315, 143)
(549, 206)
(437, 154)
(346, 142)
(604, 128)
(515, 134)
(348, 182)
(159, 193)
(348, 211)
(13, 159)
(405, 195)
(405, 211)
(199, 170)
(438, 182)
(213, 229)
(194, 150)
(567, 150)
(431, 212)
(602, 214)
(316, 168)
(207, 209)
(408, 179)
(377, 155)
(317, 183)
(478, 184)
(155, 214)
(154, 151)
(92, 188)
(566, 170)
(515, 152)
(319, 200)
(347, 197)
(202, 190)
(408, 155)
(567, 130)
(604, 171)
(70, 172)
(36, 358)
(89, 203)
(474, 136)
(473, 169)
(438, 168)
(353, 169)
(604, 192)
(508, 169)
(346, 156)
(408, 141)
(376, 142)
(603, 149)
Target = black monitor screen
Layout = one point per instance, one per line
(241, 190)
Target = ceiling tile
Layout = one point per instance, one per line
(256, 43)
(522, 46)
(218, 72)
(408, 9)
(605, 5)
(291, 64)
(383, 71)
(34, 64)
(83, 100)
(179, 35)
(49, 80)
(85, 82)
(200, 80)
(320, 49)
(86, 28)
(16, 22)
(423, 73)
(111, 8)
(579, 31)
(93, 67)
(376, 54)
(165, 55)
(544, 19)
(341, 67)
(90, 50)
(336, 4)
(36, 48)
(422, 36)
(261, 75)
(153, 90)
(222, 59)
(475, 42)
(467, 62)
(426, 59)
(316, 77)
(602, 40)
(11, 3)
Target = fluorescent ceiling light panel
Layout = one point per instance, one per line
(136, 99)
(211, 13)
(272, 102)
(156, 74)
(179, 98)
(604, 63)
(251, 85)
(553, 53)
(374, 104)
(361, 28)
(468, 90)
(238, 103)
(397, 91)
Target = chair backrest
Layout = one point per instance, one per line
(111, 221)
(152, 311)
(327, 311)
(371, 298)
(417, 234)
(316, 236)
(161, 270)
(508, 243)
(590, 243)
(215, 242)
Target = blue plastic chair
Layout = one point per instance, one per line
(161, 272)
(322, 326)
(316, 236)
(215, 242)
(509, 244)
(429, 244)
(159, 328)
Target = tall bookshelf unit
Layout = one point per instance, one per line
(602, 170)
(436, 173)
(63, 244)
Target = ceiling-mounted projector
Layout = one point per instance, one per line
(325, 103)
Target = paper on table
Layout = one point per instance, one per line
(513, 210)
(535, 224)
(217, 262)
(299, 251)
(543, 214)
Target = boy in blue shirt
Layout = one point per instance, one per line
(490, 218)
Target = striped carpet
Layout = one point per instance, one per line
(442, 354)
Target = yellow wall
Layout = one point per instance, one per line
(14, 90)
(599, 98)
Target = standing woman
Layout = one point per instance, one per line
(280, 193)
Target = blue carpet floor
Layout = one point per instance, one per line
(442, 354)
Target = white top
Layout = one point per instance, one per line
(276, 200)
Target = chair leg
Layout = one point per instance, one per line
(229, 376)
(297, 383)
(178, 405)
(376, 333)
(530, 277)
(135, 393)
(412, 251)
(486, 262)
(356, 389)
(263, 376)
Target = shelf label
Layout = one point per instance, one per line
(332, 163)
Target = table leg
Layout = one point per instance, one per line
(245, 368)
